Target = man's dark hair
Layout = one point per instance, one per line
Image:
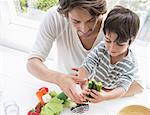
(123, 22)
(95, 7)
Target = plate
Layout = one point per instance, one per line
(134, 110)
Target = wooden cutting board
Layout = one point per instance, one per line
(134, 110)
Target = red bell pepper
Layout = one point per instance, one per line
(33, 112)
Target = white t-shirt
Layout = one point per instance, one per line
(70, 51)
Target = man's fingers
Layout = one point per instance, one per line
(69, 94)
(79, 79)
(95, 92)
(75, 69)
(76, 93)
(74, 74)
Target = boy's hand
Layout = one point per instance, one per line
(96, 95)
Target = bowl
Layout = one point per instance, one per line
(134, 110)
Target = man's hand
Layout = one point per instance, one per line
(68, 84)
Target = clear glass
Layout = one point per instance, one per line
(10, 107)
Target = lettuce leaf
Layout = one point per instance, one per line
(53, 107)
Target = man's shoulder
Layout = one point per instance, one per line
(54, 21)
(53, 11)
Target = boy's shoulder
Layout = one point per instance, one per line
(100, 48)
(101, 45)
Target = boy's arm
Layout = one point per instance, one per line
(83, 73)
(135, 88)
(115, 93)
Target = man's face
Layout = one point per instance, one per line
(82, 21)
(114, 48)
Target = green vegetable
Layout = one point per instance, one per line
(67, 103)
(94, 85)
(62, 96)
(53, 94)
(99, 86)
(55, 104)
(90, 85)
(53, 107)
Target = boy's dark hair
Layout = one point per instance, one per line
(95, 7)
(123, 22)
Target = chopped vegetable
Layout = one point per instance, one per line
(44, 88)
(62, 96)
(46, 98)
(39, 96)
(54, 106)
(53, 94)
(94, 85)
(33, 112)
(42, 91)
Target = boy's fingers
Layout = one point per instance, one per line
(95, 92)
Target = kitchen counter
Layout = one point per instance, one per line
(23, 94)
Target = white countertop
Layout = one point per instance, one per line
(17, 85)
(23, 93)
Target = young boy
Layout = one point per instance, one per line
(112, 62)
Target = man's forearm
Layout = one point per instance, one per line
(39, 70)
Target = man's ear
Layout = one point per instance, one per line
(131, 41)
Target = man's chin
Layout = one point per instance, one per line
(85, 35)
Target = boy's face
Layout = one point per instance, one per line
(114, 48)
(83, 21)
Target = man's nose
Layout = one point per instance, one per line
(84, 28)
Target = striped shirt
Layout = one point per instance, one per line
(121, 74)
